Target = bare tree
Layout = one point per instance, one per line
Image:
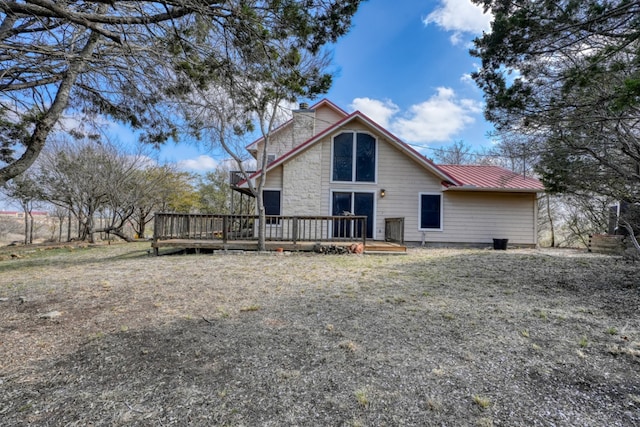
(214, 190)
(161, 188)
(24, 190)
(458, 153)
(60, 213)
(89, 177)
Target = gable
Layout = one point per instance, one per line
(326, 114)
(358, 121)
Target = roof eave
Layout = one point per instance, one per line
(470, 188)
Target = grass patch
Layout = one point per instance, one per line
(482, 401)
(253, 307)
(362, 397)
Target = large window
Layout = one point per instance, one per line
(430, 211)
(271, 200)
(354, 157)
(356, 203)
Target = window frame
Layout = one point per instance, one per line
(352, 192)
(354, 157)
(272, 190)
(441, 219)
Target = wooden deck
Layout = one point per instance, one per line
(284, 233)
(372, 247)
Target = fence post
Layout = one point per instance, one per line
(225, 223)
(156, 227)
(364, 232)
(294, 229)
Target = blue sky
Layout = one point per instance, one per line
(405, 64)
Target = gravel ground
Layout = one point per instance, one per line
(109, 336)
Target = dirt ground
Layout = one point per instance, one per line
(110, 336)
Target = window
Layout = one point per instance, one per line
(356, 203)
(271, 200)
(354, 157)
(270, 158)
(430, 211)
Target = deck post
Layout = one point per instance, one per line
(225, 223)
(156, 227)
(364, 231)
(294, 230)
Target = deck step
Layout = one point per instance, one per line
(384, 248)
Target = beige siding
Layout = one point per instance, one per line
(468, 217)
(274, 179)
(325, 118)
(402, 179)
(480, 217)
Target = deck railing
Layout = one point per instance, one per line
(394, 230)
(245, 227)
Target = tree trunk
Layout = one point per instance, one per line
(89, 226)
(26, 226)
(30, 227)
(553, 234)
(262, 226)
(117, 231)
(69, 226)
(632, 235)
(142, 228)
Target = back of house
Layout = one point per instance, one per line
(325, 161)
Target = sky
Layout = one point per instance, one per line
(406, 65)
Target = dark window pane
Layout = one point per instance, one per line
(343, 157)
(341, 205)
(430, 210)
(363, 206)
(365, 158)
(271, 200)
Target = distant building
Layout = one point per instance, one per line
(20, 214)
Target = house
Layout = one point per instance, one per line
(325, 161)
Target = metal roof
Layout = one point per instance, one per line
(490, 178)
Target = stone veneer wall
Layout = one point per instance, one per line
(302, 178)
(303, 126)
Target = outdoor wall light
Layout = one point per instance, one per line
(383, 193)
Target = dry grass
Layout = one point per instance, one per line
(437, 337)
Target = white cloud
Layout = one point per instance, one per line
(202, 163)
(461, 17)
(379, 111)
(466, 78)
(437, 119)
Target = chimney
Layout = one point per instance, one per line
(304, 124)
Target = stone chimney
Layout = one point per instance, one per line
(304, 124)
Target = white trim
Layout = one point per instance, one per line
(352, 191)
(353, 158)
(426, 193)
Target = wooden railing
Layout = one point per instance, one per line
(245, 227)
(394, 230)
